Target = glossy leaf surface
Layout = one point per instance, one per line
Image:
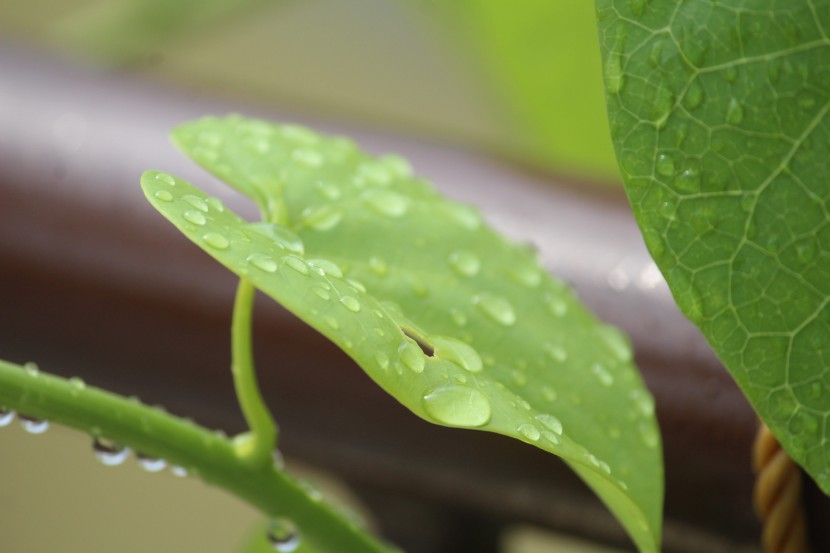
(719, 116)
(458, 324)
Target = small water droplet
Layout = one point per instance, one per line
(216, 240)
(350, 303)
(551, 423)
(527, 275)
(614, 76)
(163, 195)
(529, 431)
(456, 351)
(648, 433)
(688, 180)
(382, 360)
(458, 405)
(465, 263)
(555, 304)
(387, 203)
(665, 165)
(215, 204)
(357, 285)
(296, 263)
(805, 250)
(284, 536)
(308, 157)
(412, 356)
(109, 453)
(194, 216)
(734, 112)
(6, 417)
(603, 374)
(694, 96)
(263, 262)
(165, 178)
(551, 437)
(178, 471)
(332, 322)
(496, 308)
(556, 351)
(150, 464)
(33, 425)
(196, 202)
(378, 266)
(329, 268)
(283, 237)
(663, 104)
(322, 293)
(31, 368)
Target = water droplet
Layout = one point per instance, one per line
(526, 275)
(215, 204)
(329, 268)
(322, 293)
(196, 202)
(688, 180)
(165, 178)
(263, 262)
(614, 76)
(33, 425)
(665, 165)
(498, 309)
(150, 464)
(6, 417)
(375, 172)
(551, 437)
(109, 453)
(387, 203)
(603, 374)
(663, 104)
(163, 195)
(734, 112)
(31, 368)
(648, 433)
(529, 431)
(350, 303)
(456, 351)
(194, 216)
(556, 305)
(378, 266)
(616, 341)
(283, 237)
(465, 263)
(308, 157)
(463, 215)
(694, 96)
(551, 423)
(357, 285)
(216, 240)
(296, 263)
(458, 405)
(284, 536)
(556, 351)
(412, 356)
(323, 218)
(458, 316)
(643, 402)
(382, 360)
(178, 471)
(332, 322)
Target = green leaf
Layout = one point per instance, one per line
(542, 63)
(719, 116)
(458, 324)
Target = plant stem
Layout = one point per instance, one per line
(180, 442)
(258, 446)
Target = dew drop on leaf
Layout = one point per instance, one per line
(323, 218)
(665, 165)
(694, 96)
(322, 293)
(556, 305)
(329, 268)
(165, 178)
(555, 351)
(263, 262)
(457, 352)
(529, 431)
(163, 195)
(196, 202)
(412, 356)
(382, 360)
(150, 464)
(307, 156)
(6, 417)
(283, 536)
(495, 308)
(550, 422)
(350, 303)
(603, 374)
(109, 453)
(216, 240)
(458, 405)
(387, 203)
(178, 471)
(33, 425)
(296, 263)
(465, 263)
(734, 112)
(648, 434)
(195, 216)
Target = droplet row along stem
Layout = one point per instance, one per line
(182, 443)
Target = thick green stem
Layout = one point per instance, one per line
(257, 446)
(180, 442)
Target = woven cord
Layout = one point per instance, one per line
(778, 496)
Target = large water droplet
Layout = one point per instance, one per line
(167, 179)
(150, 464)
(387, 203)
(196, 202)
(458, 405)
(163, 195)
(263, 262)
(296, 263)
(6, 417)
(456, 351)
(496, 308)
(412, 356)
(109, 453)
(465, 263)
(382, 360)
(33, 425)
(350, 303)
(529, 431)
(327, 267)
(195, 216)
(550, 422)
(603, 374)
(734, 112)
(216, 240)
(284, 536)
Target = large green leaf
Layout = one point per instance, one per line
(719, 115)
(458, 324)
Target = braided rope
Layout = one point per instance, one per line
(778, 496)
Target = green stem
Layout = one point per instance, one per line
(258, 446)
(180, 442)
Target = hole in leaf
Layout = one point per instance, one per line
(428, 350)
